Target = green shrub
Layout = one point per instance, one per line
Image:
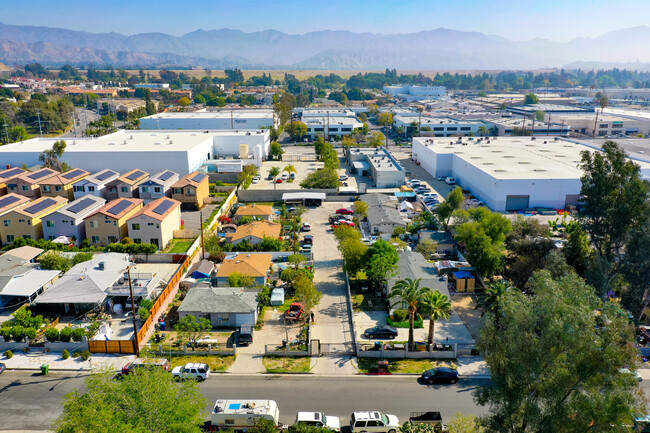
(9, 354)
(76, 354)
(18, 333)
(417, 323)
(78, 333)
(5, 333)
(143, 314)
(85, 355)
(30, 333)
(65, 354)
(65, 334)
(92, 329)
(146, 303)
(400, 315)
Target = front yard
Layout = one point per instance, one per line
(368, 302)
(286, 364)
(216, 363)
(402, 366)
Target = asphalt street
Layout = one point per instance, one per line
(29, 401)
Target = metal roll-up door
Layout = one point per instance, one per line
(517, 202)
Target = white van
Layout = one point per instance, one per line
(450, 181)
(373, 422)
(242, 414)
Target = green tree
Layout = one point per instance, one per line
(51, 157)
(376, 139)
(385, 119)
(438, 307)
(482, 252)
(540, 115)
(408, 292)
(426, 247)
(296, 129)
(555, 360)
(452, 203)
(348, 142)
(274, 171)
(483, 131)
(296, 260)
(354, 254)
(530, 99)
(54, 260)
(321, 178)
(330, 157)
(465, 423)
(143, 402)
(577, 250)
(360, 208)
(192, 328)
(306, 292)
(318, 144)
(184, 101)
(237, 279)
(81, 257)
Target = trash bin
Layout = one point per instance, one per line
(382, 367)
(45, 368)
(162, 325)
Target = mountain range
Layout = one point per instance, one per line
(437, 49)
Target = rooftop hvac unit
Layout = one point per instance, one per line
(101, 266)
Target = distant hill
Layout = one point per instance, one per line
(427, 50)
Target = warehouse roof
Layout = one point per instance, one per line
(215, 114)
(515, 157)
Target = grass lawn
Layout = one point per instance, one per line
(286, 364)
(178, 246)
(368, 302)
(403, 366)
(216, 362)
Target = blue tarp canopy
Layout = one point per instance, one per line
(462, 275)
(405, 194)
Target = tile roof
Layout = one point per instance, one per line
(187, 180)
(254, 210)
(151, 209)
(253, 265)
(257, 229)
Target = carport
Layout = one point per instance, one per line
(304, 198)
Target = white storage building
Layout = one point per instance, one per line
(225, 118)
(512, 173)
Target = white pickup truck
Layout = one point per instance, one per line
(319, 419)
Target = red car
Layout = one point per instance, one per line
(344, 211)
(294, 312)
(342, 223)
(278, 180)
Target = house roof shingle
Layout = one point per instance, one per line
(257, 229)
(254, 210)
(152, 209)
(207, 299)
(253, 265)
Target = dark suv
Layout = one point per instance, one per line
(245, 334)
(440, 375)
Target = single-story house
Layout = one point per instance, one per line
(383, 215)
(412, 265)
(24, 283)
(256, 265)
(258, 211)
(224, 307)
(444, 240)
(255, 232)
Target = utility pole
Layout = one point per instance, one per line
(135, 325)
(40, 130)
(202, 243)
(548, 125)
(327, 138)
(232, 121)
(293, 235)
(6, 131)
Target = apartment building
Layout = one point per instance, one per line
(155, 223)
(69, 220)
(94, 184)
(61, 185)
(109, 224)
(27, 221)
(126, 186)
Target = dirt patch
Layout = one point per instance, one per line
(464, 306)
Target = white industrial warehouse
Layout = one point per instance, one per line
(510, 173)
(218, 119)
(179, 151)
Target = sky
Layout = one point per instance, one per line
(557, 20)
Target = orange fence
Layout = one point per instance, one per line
(161, 302)
(128, 346)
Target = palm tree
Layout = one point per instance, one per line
(603, 102)
(483, 131)
(438, 307)
(409, 292)
(274, 171)
(491, 298)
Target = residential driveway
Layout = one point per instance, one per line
(332, 324)
(446, 331)
(192, 218)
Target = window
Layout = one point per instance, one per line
(25, 188)
(78, 188)
(189, 191)
(91, 188)
(13, 188)
(58, 188)
(64, 221)
(157, 225)
(124, 189)
(21, 220)
(95, 239)
(137, 240)
(452, 128)
(373, 423)
(346, 129)
(27, 236)
(50, 223)
(29, 222)
(144, 189)
(154, 241)
(135, 226)
(604, 125)
(178, 190)
(150, 224)
(112, 239)
(46, 188)
(92, 224)
(107, 221)
(438, 128)
(156, 189)
(360, 424)
(10, 238)
(112, 189)
(7, 223)
(465, 128)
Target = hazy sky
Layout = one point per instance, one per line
(558, 20)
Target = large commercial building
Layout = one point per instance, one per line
(608, 124)
(512, 173)
(179, 151)
(378, 164)
(329, 123)
(416, 93)
(440, 126)
(525, 125)
(225, 118)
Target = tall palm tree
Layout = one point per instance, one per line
(438, 307)
(490, 299)
(483, 131)
(409, 292)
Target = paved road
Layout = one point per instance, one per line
(29, 401)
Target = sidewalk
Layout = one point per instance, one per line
(333, 365)
(34, 360)
(473, 366)
(247, 363)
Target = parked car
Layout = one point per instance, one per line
(414, 182)
(285, 176)
(292, 175)
(343, 223)
(306, 248)
(430, 194)
(306, 227)
(256, 179)
(441, 178)
(450, 181)
(294, 312)
(308, 240)
(194, 370)
(337, 217)
(344, 211)
(343, 177)
(245, 334)
(139, 363)
(319, 419)
(374, 422)
(440, 375)
(278, 180)
(269, 177)
(3, 367)
(380, 332)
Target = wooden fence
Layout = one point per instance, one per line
(111, 346)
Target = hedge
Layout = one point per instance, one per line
(418, 323)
